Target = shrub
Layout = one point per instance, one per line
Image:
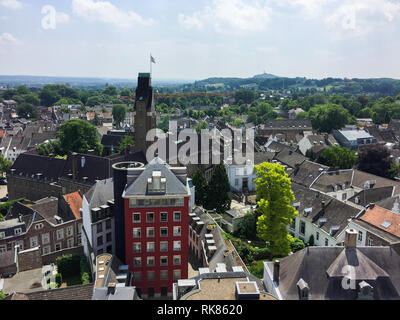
(262, 254)
(2, 295)
(84, 269)
(58, 279)
(297, 245)
(68, 265)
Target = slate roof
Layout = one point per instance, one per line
(290, 158)
(173, 186)
(94, 168)
(360, 177)
(320, 268)
(111, 140)
(328, 180)
(28, 165)
(372, 195)
(100, 193)
(260, 157)
(307, 172)
(80, 292)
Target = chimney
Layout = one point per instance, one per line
(371, 205)
(350, 241)
(277, 265)
(111, 288)
(74, 165)
(323, 206)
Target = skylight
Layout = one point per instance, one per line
(386, 224)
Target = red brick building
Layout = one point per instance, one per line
(156, 203)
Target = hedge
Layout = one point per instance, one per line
(84, 269)
(68, 265)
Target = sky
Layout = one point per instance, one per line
(197, 39)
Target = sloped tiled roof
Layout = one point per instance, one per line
(378, 216)
(75, 203)
(80, 292)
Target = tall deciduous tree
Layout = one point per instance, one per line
(328, 117)
(5, 164)
(376, 159)
(200, 182)
(338, 158)
(79, 136)
(126, 142)
(276, 213)
(119, 113)
(218, 196)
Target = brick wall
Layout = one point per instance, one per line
(29, 259)
(51, 258)
(31, 189)
(376, 241)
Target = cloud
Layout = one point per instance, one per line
(62, 17)
(11, 4)
(8, 39)
(227, 16)
(106, 12)
(268, 50)
(360, 17)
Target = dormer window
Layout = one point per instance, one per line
(156, 183)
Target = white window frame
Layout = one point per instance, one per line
(3, 248)
(135, 236)
(34, 241)
(150, 244)
(176, 249)
(164, 264)
(70, 231)
(60, 234)
(137, 245)
(17, 231)
(176, 234)
(2, 235)
(178, 258)
(180, 216)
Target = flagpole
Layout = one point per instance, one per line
(150, 66)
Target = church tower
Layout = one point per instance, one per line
(145, 112)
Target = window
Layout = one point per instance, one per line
(151, 275)
(136, 232)
(132, 203)
(137, 276)
(108, 224)
(34, 242)
(360, 236)
(109, 237)
(164, 261)
(79, 228)
(2, 235)
(293, 225)
(100, 241)
(17, 231)
(137, 247)
(177, 260)
(150, 217)
(150, 247)
(164, 275)
(109, 249)
(177, 231)
(163, 217)
(38, 226)
(70, 231)
(70, 242)
(370, 242)
(177, 217)
(177, 246)
(302, 227)
(326, 242)
(177, 274)
(150, 232)
(46, 249)
(137, 262)
(3, 248)
(236, 182)
(58, 246)
(60, 234)
(150, 261)
(99, 227)
(344, 196)
(163, 232)
(317, 236)
(163, 246)
(136, 218)
(79, 240)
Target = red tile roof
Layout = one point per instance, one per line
(377, 216)
(75, 202)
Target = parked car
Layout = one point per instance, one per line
(5, 199)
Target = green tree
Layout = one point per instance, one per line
(376, 159)
(338, 158)
(2, 295)
(53, 147)
(26, 110)
(328, 117)
(119, 114)
(275, 197)
(79, 136)
(200, 182)
(31, 99)
(247, 227)
(218, 196)
(126, 142)
(110, 91)
(5, 164)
